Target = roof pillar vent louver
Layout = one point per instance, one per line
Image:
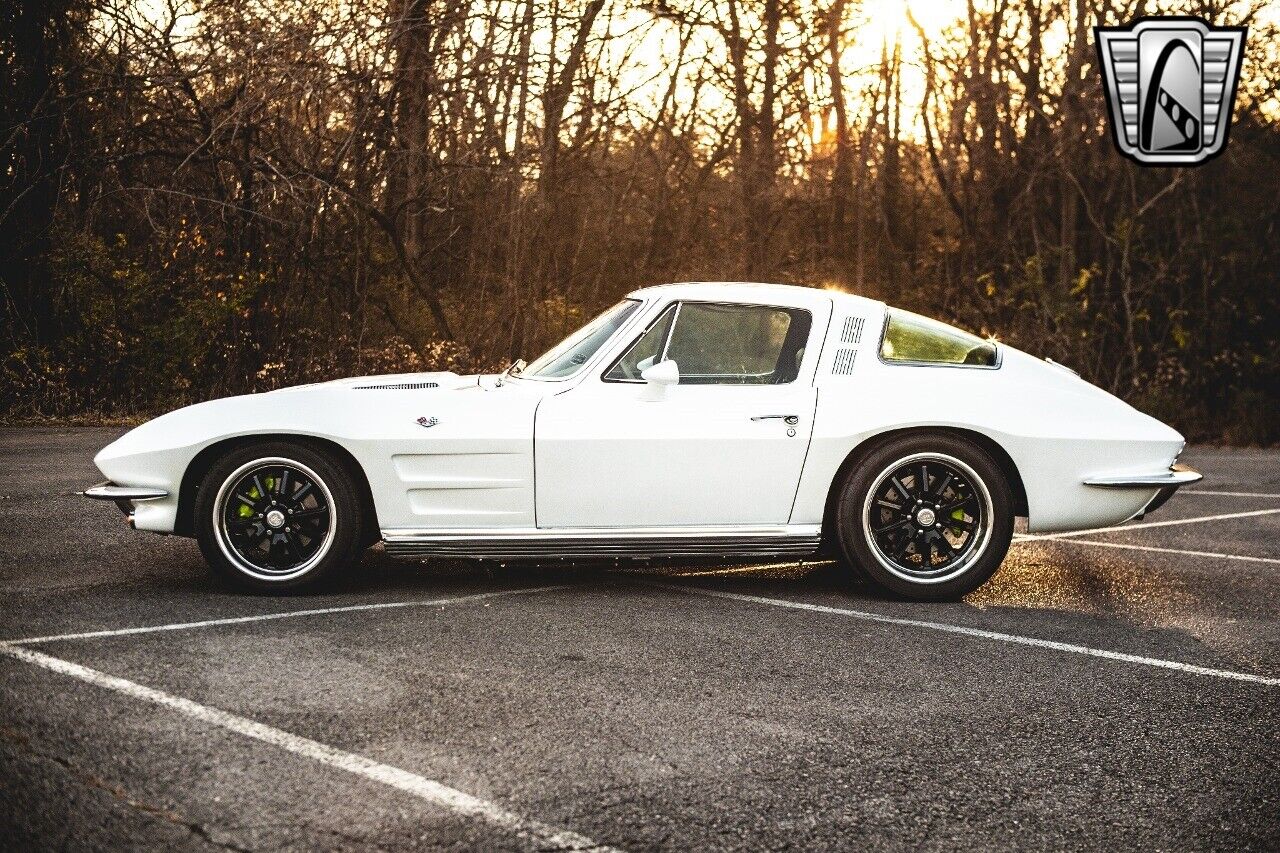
(843, 364)
(852, 331)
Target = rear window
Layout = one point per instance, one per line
(910, 338)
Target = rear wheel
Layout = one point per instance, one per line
(928, 517)
(278, 516)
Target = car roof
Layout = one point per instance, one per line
(752, 291)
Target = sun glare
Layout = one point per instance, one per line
(887, 23)
(882, 27)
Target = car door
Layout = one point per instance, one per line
(724, 446)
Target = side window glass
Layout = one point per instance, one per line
(738, 344)
(918, 340)
(645, 351)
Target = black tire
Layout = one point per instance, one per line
(917, 544)
(249, 534)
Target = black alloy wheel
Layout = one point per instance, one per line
(279, 515)
(927, 516)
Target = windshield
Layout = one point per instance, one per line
(568, 356)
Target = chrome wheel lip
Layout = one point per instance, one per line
(974, 553)
(228, 550)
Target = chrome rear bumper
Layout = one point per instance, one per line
(1167, 482)
(1177, 476)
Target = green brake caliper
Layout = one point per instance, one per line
(245, 510)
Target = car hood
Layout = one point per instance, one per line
(440, 380)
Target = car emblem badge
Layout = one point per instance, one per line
(1170, 85)
(428, 422)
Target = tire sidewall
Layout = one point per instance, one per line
(347, 537)
(858, 483)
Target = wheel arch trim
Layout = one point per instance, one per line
(203, 461)
(860, 451)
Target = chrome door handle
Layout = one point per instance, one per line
(789, 419)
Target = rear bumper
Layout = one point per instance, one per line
(1177, 476)
(1167, 482)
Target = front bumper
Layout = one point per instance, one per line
(123, 496)
(108, 491)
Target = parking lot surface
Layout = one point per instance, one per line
(1117, 688)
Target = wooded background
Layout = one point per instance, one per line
(205, 198)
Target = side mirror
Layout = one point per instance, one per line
(657, 377)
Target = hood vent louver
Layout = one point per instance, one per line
(396, 386)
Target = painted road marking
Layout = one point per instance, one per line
(1124, 527)
(540, 835)
(982, 634)
(1098, 544)
(288, 614)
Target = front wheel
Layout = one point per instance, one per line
(277, 516)
(927, 517)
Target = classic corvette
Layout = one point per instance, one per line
(686, 420)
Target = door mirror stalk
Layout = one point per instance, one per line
(657, 378)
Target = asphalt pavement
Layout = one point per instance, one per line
(1115, 689)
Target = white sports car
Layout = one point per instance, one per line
(687, 420)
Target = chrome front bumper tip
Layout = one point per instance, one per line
(1177, 476)
(123, 496)
(108, 491)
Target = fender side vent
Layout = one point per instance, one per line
(843, 365)
(396, 386)
(852, 331)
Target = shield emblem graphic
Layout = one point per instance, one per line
(1170, 85)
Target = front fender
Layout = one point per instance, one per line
(378, 423)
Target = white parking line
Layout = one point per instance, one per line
(1229, 494)
(1098, 544)
(538, 834)
(982, 634)
(1123, 527)
(288, 614)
